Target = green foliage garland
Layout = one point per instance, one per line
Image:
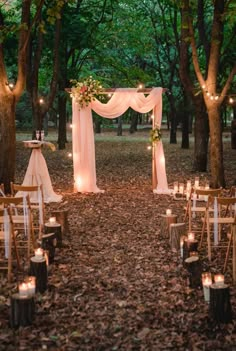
(155, 134)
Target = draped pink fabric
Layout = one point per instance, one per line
(37, 174)
(83, 136)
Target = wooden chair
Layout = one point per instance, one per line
(22, 220)
(197, 203)
(7, 242)
(2, 190)
(219, 211)
(37, 206)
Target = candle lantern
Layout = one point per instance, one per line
(219, 279)
(191, 237)
(176, 187)
(206, 283)
(31, 282)
(52, 220)
(196, 182)
(182, 238)
(189, 185)
(38, 253)
(23, 290)
(181, 188)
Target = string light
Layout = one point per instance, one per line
(41, 101)
(10, 84)
(216, 97)
(69, 154)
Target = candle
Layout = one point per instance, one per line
(194, 204)
(206, 283)
(38, 253)
(181, 246)
(219, 279)
(181, 188)
(206, 188)
(196, 182)
(189, 185)
(31, 285)
(193, 253)
(191, 237)
(168, 212)
(52, 220)
(23, 289)
(176, 187)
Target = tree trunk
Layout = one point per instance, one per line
(119, 128)
(134, 122)
(185, 124)
(201, 135)
(7, 139)
(173, 121)
(97, 124)
(216, 147)
(62, 122)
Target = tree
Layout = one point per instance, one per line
(214, 84)
(26, 13)
(188, 77)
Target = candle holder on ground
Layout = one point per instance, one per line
(38, 268)
(54, 228)
(190, 245)
(176, 231)
(194, 268)
(220, 306)
(206, 283)
(62, 218)
(22, 310)
(165, 224)
(49, 243)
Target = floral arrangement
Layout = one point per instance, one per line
(155, 134)
(86, 91)
(50, 145)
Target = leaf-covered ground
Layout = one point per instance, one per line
(116, 284)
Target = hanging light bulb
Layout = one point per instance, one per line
(231, 100)
(208, 94)
(216, 97)
(212, 97)
(203, 86)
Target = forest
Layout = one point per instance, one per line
(145, 260)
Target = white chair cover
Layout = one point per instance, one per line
(36, 174)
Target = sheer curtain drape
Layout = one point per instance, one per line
(83, 136)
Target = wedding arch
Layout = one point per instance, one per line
(83, 135)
